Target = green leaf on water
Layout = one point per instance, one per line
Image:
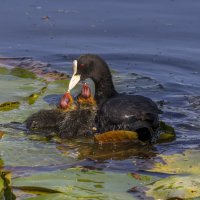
(17, 151)
(36, 190)
(6, 106)
(22, 73)
(1, 187)
(1, 163)
(166, 137)
(76, 183)
(61, 83)
(15, 89)
(33, 97)
(4, 70)
(166, 128)
(5, 189)
(58, 197)
(185, 184)
(167, 133)
(188, 162)
(175, 187)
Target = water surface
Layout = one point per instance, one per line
(152, 45)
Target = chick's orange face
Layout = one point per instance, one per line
(86, 98)
(86, 91)
(66, 100)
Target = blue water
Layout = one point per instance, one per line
(153, 45)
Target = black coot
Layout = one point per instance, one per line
(116, 111)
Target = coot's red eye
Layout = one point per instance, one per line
(82, 65)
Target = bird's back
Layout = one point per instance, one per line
(128, 112)
(123, 107)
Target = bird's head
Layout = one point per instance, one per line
(88, 66)
(66, 101)
(85, 98)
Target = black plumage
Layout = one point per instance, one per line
(74, 123)
(117, 111)
(70, 120)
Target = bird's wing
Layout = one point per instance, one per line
(129, 107)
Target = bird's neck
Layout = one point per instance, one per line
(104, 89)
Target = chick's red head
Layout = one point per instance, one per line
(66, 101)
(86, 98)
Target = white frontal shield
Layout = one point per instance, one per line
(75, 78)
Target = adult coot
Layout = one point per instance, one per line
(116, 111)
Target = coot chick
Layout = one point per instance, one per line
(69, 120)
(116, 111)
(81, 121)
